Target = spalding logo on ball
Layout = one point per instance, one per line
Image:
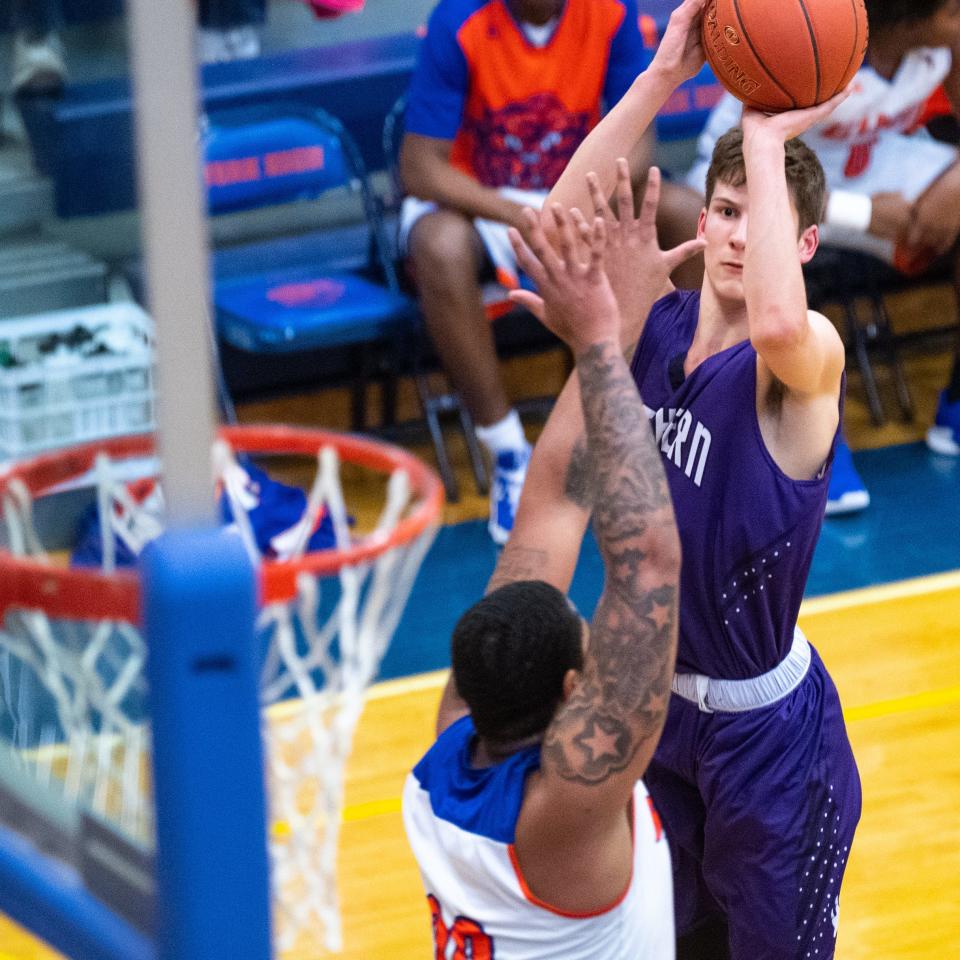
(781, 54)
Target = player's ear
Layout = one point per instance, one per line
(808, 243)
(570, 680)
(701, 222)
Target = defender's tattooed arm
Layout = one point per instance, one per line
(604, 734)
(611, 722)
(555, 506)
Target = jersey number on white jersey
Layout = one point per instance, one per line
(467, 936)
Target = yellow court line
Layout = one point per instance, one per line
(902, 589)
(929, 699)
(917, 587)
(403, 685)
(368, 810)
(385, 690)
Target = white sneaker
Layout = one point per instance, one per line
(38, 65)
(944, 436)
(245, 42)
(226, 45)
(846, 492)
(509, 472)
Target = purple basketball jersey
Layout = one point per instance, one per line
(748, 531)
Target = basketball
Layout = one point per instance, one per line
(782, 54)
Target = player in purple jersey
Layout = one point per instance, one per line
(754, 776)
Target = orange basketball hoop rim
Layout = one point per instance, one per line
(88, 594)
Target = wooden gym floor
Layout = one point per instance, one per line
(892, 649)
(893, 653)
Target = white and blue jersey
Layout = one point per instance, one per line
(872, 143)
(461, 823)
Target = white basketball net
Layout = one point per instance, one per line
(316, 669)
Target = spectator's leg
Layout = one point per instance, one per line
(446, 257)
(944, 435)
(36, 17)
(38, 61)
(223, 14)
(677, 217)
(229, 29)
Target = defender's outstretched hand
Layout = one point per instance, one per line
(574, 298)
(638, 270)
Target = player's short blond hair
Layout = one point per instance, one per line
(805, 177)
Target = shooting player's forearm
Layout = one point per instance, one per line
(617, 135)
(773, 278)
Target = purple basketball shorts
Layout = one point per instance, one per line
(760, 808)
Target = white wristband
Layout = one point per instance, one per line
(852, 211)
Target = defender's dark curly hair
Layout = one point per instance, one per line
(511, 651)
(886, 13)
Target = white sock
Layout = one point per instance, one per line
(505, 434)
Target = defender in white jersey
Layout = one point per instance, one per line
(461, 821)
(534, 835)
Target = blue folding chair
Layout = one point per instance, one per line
(282, 301)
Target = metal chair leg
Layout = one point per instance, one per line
(431, 407)
(889, 343)
(859, 341)
(477, 463)
(390, 379)
(358, 390)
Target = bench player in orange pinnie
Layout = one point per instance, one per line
(503, 93)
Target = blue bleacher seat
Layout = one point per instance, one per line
(311, 294)
(279, 310)
(278, 154)
(84, 139)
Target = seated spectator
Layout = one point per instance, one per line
(894, 190)
(229, 30)
(501, 97)
(38, 62)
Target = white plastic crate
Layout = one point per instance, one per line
(71, 376)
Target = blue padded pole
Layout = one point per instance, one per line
(212, 867)
(48, 897)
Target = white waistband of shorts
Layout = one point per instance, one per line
(738, 696)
